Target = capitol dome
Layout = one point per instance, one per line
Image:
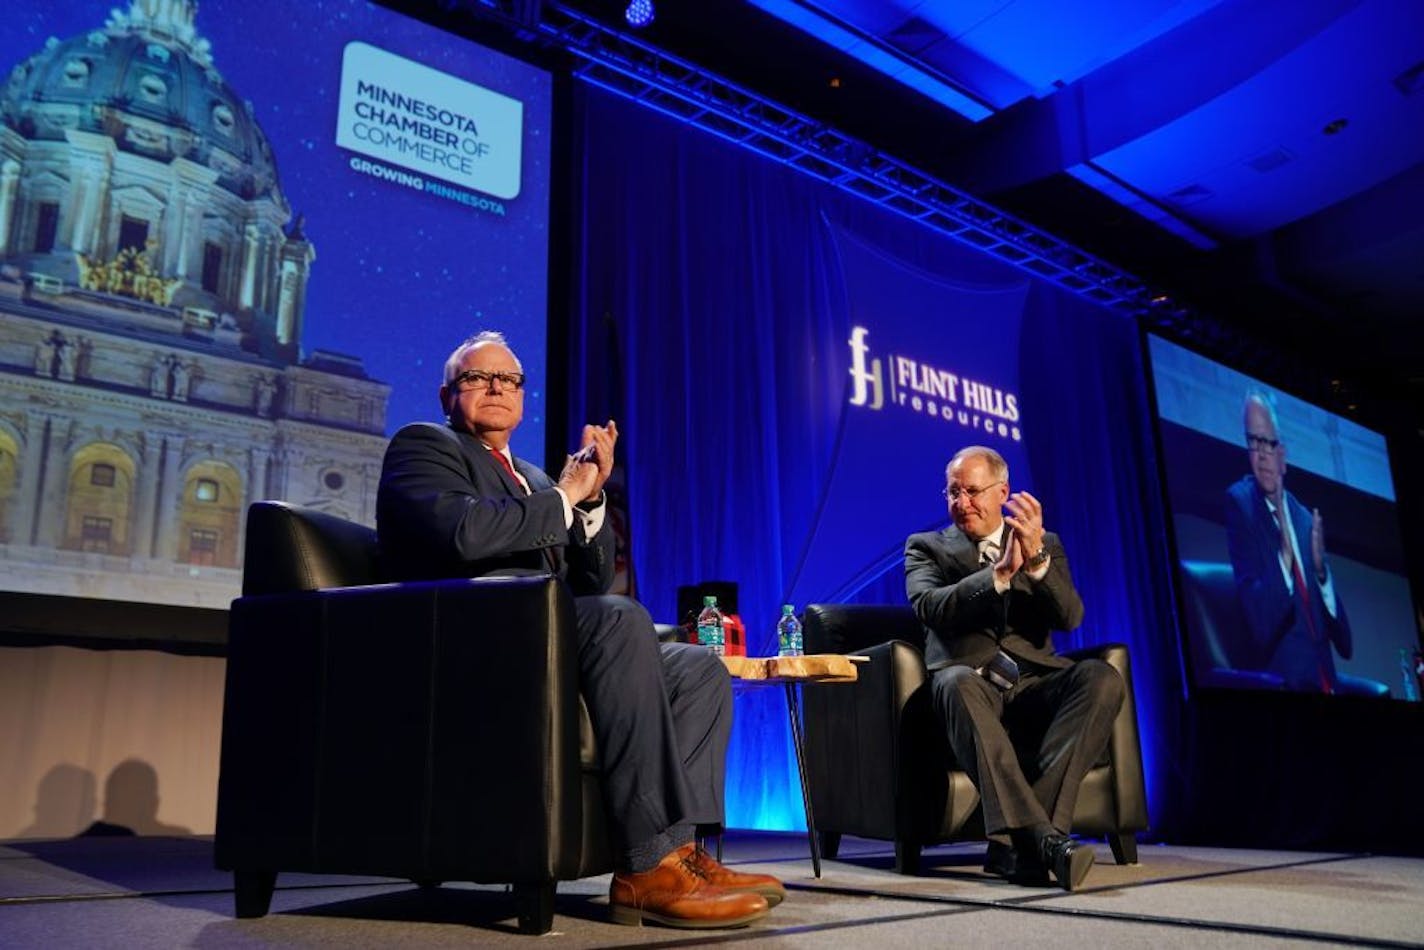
(146, 80)
(132, 174)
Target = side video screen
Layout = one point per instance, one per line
(1290, 557)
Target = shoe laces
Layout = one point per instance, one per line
(692, 865)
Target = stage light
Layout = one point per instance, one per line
(639, 13)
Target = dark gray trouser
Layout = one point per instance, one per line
(662, 715)
(1027, 750)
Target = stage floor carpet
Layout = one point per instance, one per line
(164, 892)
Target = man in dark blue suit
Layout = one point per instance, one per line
(1278, 558)
(455, 502)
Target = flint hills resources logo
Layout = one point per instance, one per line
(916, 386)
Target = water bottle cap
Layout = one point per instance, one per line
(787, 610)
(709, 601)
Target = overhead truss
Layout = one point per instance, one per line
(630, 67)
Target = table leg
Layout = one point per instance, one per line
(793, 709)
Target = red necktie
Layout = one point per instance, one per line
(1304, 595)
(504, 462)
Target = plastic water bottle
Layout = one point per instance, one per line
(788, 632)
(709, 626)
(1406, 667)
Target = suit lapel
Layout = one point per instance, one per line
(1299, 528)
(530, 475)
(511, 484)
(554, 555)
(1268, 532)
(1301, 523)
(964, 552)
(471, 446)
(484, 466)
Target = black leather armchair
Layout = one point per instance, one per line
(430, 731)
(1222, 650)
(879, 765)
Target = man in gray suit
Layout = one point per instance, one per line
(1023, 721)
(455, 502)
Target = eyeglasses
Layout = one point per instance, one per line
(1259, 443)
(477, 380)
(954, 493)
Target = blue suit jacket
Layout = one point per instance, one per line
(1278, 624)
(447, 508)
(954, 597)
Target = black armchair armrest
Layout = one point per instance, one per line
(853, 764)
(865, 740)
(360, 720)
(1128, 802)
(1219, 677)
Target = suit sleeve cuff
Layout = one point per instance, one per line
(592, 514)
(1040, 572)
(568, 508)
(1327, 594)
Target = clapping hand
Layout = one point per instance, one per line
(1025, 516)
(588, 469)
(1317, 544)
(600, 440)
(579, 479)
(1011, 558)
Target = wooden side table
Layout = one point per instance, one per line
(791, 672)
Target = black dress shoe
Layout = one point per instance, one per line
(1007, 862)
(1000, 859)
(1067, 859)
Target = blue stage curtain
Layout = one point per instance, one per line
(708, 282)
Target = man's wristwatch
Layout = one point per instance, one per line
(1038, 560)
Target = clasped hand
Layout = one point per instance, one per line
(586, 471)
(1024, 514)
(1317, 543)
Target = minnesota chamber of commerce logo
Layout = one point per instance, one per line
(918, 387)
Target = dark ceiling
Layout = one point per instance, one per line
(1261, 160)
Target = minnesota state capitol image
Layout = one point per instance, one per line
(153, 283)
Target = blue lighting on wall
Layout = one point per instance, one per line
(688, 291)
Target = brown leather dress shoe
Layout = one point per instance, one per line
(724, 877)
(677, 894)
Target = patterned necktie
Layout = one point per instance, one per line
(1001, 670)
